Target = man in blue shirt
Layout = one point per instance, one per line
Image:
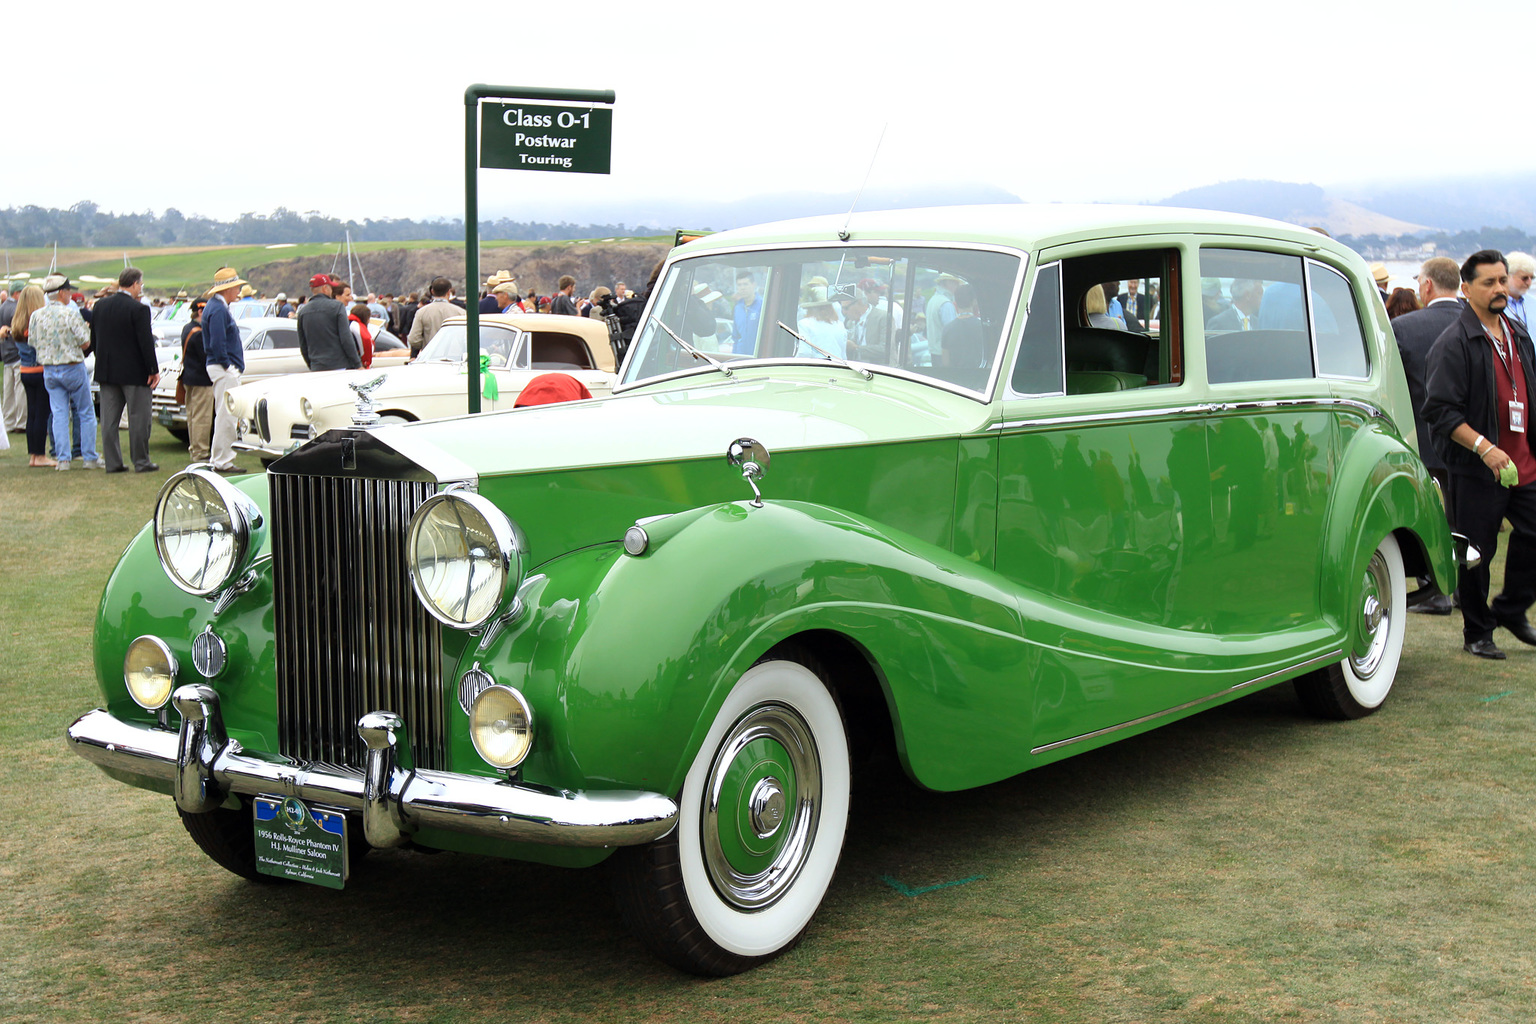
(748, 314)
(1522, 270)
(226, 361)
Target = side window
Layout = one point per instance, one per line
(1120, 321)
(283, 337)
(1255, 316)
(1340, 343)
(257, 342)
(1038, 368)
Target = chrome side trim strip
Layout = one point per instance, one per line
(389, 798)
(1202, 409)
(1323, 659)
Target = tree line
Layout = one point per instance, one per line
(1507, 239)
(85, 225)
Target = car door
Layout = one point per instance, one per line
(1105, 493)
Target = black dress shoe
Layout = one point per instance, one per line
(1523, 630)
(1440, 604)
(1484, 649)
(118, 469)
(148, 467)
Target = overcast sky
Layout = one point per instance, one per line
(357, 112)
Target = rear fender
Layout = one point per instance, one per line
(1393, 492)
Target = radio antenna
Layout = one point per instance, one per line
(843, 234)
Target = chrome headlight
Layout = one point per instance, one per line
(307, 410)
(206, 531)
(149, 672)
(501, 726)
(465, 558)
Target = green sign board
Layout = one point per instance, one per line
(294, 840)
(539, 137)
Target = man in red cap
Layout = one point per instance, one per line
(325, 339)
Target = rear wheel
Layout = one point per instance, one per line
(760, 828)
(1359, 684)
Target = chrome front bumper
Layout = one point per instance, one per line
(204, 767)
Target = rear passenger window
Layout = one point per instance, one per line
(1120, 325)
(1255, 316)
(282, 337)
(1340, 343)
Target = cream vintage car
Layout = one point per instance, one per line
(271, 350)
(278, 415)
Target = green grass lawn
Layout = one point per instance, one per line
(1247, 864)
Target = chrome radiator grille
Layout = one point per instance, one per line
(351, 636)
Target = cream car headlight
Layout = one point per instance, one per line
(501, 726)
(307, 409)
(206, 531)
(149, 672)
(465, 558)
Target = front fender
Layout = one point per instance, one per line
(626, 659)
(1390, 490)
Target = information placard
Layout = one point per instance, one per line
(540, 137)
(294, 840)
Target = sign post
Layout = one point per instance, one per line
(556, 130)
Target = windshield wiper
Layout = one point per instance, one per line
(717, 364)
(860, 370)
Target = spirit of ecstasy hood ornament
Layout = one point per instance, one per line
(367, 414)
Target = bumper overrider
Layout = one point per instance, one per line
(204, 767)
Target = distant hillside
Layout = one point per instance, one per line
(1497, 200)
(1296, 204)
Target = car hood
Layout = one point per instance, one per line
(661, 426)
(579, 473)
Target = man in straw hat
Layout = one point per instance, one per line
(488, 303)
(226, 361)
(60, 336)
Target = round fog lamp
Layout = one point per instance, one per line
(465, 557)
(307, 410)
(149, 672)
(501, 726)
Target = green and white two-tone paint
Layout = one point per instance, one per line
(974, 521)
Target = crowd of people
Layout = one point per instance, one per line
(1467, 354)
(48, 329)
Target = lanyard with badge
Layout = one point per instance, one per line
(1509, 359)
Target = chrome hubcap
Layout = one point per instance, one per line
(761, 806)
(767, 807)
(1375, 618)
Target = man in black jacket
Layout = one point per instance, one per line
(126, 369)
(325, 337)
(1439, 281)
(1482, 372)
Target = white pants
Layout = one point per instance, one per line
(223, 455)
(13, 404)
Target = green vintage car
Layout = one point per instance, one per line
(951, 492)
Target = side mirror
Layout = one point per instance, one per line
(752, 458)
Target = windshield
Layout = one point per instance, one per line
(502, 344)
(936, 313)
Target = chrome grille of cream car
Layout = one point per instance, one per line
(351, 637)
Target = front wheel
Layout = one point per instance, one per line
(1359, 684)
(760, 829)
